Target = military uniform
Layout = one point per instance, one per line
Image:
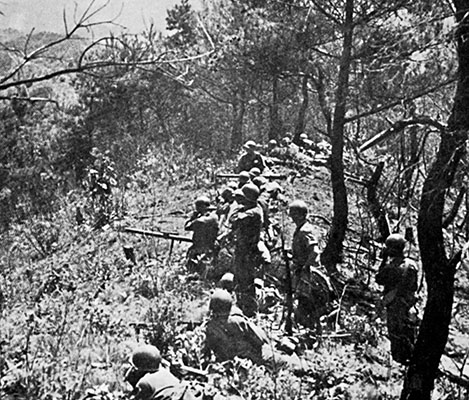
(247, 161)
(234, 336)
(205, 228)
(247, 224)
(161, 385)
(399, 276)
(311, 284)
(150, 382)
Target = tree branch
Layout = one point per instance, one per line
(400, 101)
(397, 127)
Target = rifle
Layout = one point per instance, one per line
(236, 176)
(164, 235)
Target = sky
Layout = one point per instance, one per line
(47, 15)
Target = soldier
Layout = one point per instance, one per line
(254, 172)
(311, 285)
(150, 381)
(305, 143)
(227, 282)
(229, 333)
(399, 276)
(204, 224)
(250, 158)
(243, 179)
(225, 201)
(246, 224)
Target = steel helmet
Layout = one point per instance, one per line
(298, 206)
(395, 241)
(202, 201)
(244, 176)
(253, 172)
(272, 143)
(146, 358)
(250, 144)
(227, 281)
(259, 181)
(250, 192)
(303, 136)
(227, 193)
(221, 302)
(237, 194)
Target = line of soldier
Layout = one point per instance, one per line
(240, 219)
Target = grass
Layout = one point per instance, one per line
(73, 307)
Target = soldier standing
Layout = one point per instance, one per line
(311, 285)
(399, 276)
(247, 224)
(204, 225)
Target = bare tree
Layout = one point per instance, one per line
(96, 55)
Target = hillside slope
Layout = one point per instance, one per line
(73, 306)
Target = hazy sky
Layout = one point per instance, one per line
(46, 15)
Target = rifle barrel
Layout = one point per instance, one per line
(163, 235)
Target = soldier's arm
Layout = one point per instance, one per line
(313, 249)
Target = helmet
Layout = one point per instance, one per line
(244, 176)
(272, 143)
(250, 144)
(254, 172)
(232, 185)
(286, 140)
(146, 358)
(221, 301)
(238, 193)
(298, 206)
(227, 281)
(250, 192)
(202, 201)
(259, 181)
(227, 193)
(395, 241)
(303, 136)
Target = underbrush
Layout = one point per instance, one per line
(74, 305)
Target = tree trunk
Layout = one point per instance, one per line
(378, 212)
(332, 254)
(275, 124)
(238, 117)
(300, 122)
(439, 270)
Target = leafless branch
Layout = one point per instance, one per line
(82, 65)
(397, 127)
(401, 100)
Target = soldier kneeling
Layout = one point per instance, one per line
(150, 381)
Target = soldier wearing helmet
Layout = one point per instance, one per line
(399, 276)
(243, 179)
(204, 225)
(250, 158)
(305, 144)
(246, 225)
(225, 200)
(229, 333)
(149, 380)
(254, 173)
(311, 285)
